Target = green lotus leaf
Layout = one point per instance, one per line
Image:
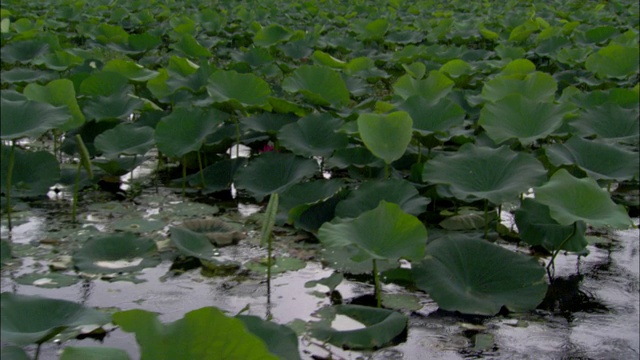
(353, 156)
(309, 217)
(401, 302)
(332, 281)
(24, 76)
(5, 251)
(118, 253)
(386, 135)
(217, 177)
(341, 259)
(256, 57)
(48, 280)
(137, 225)
(24, 51)
(473, 276)
(280, 339)
(185, 129)
(93, 353)
(273, 172)
(598, 160)
(476, 172)
(271, 35)
(464, 218)
(433, 88)
(57, 93)
(107, 33)
(610, 122)
(198, 245)
(129, 70)
(386, 232)
(114, 106)
(307, 193)
(33, 319)
(368, 195)
(416, 69)
(205, 333)
(125, 139)
(59, 60)
(33, 172)
(570, 199)
(30, 118)
(456, 68)
(322, 58)
(614, 60)
(13, 352)
(189, 46)
(269, 123)
(119, 166)
(313, 135)
(103, 83)
(278, 266)
(318, 84)
(536, 87)
(537, 227)
(429, 117)
(519, 67)
(381, 327)
(515, 116)
(244, 89)
(600, 34)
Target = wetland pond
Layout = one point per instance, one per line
(591, 310)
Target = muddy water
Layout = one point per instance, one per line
(594, 313)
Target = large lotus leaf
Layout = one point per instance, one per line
(354, 156)
(307, 193)
(476, 172)
(206, 333)
(24, 51)
(368, 195)
(125, 139)
(93, 353)
(373, 30)
(429, 117)
(59, 60)
(309, 217)
(196, 244)
(280, 339)
(536, 87)
(23, 75)
(537, 227)
(103, 83)
(319, 84)
(598, 160)
(119, 166)
(474, 276)
(13, 352)
(340, 259)
(57, 93)
(381, 327)
(33, 172)
(610, 122)
(219, 176)
(271, 35)
(571, 199)
(386, 232)
(121, 252)
(185, 129)
(129, 70)
(242, 89)
(269, 123)
(436, 86)
(273, 172)
(314, 135)
(115, 106)
(386, 135)
(614, 60)
(30, 118)
(515, 116)
(190, 46)
(33, 319)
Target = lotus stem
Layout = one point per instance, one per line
(376, 281)
(76, 188)
(200, 166)
(557, 251)
(266, 237)
(9, 175)
(386, 170)
(486, 218)
(184, 176)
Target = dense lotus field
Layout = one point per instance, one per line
(421, 157)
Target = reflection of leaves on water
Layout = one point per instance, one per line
(564, 296)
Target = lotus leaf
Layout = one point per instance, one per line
(190, 46)
(119, 166)
(310, 217)
(30, 118)
(401, 302)
(598, 160)
(340, 259)
(476, 172)
(5, 251)
(103, 83)
(219, 176)
(33, 172)
(514, 116)
(280, 339)
(382, 326)
(320, 85)
(307, 193)
(474, 276)
(33, 319)
(537, 227)
(13, 353)
(269, 123)
(50, 280)
(353, 156)
(115, 106)
(313, 135)
(386, 232)
(429, 117)
(433, 88)
(386, 136)
(614, 60)
(58, 60)
(570, 199)
(24, 51)
(271, 35)
(137, 225)
(536, 87)
(57, 93)
(129, 70)
(192, 243)
(185, 129)
(610, 122)
(273, 172)
(22, 75)
(368, 196)
(125, 139)
(206, 333)
(244, 90)
(118, 253)
(332, 281)
(93, 353)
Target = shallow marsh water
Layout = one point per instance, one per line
(593, 315)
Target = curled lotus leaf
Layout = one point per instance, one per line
(125, 252)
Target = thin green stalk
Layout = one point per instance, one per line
(9, 175)
(486, 218)
(376, 281)
(237, 136)
(200, 166)
(556, 252)
(184, 176)
(76, 189)
(266, 237)
(386, 171)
